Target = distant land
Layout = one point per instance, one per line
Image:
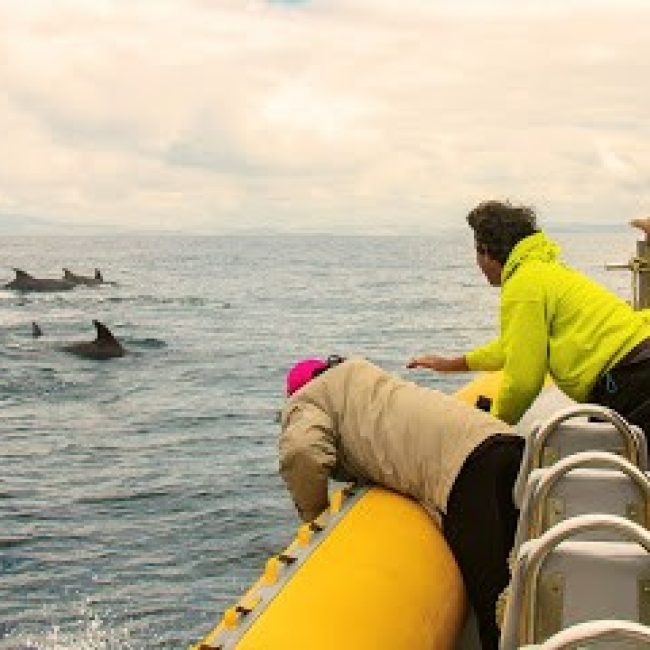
(23, 225)
(17, 225)
(559, 226)
(10, 224)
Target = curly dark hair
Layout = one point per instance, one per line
(499, 226)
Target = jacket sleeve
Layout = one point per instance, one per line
(486, 357)
(524, 337)
(307, 458)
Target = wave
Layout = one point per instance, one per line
(150, 343)
(88, 632)
(134, 497)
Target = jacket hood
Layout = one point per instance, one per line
(534, 247)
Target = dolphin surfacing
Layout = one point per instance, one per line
(86, 280)
(105, 346)
(26, 282)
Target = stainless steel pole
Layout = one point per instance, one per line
(643, 255)
(639, 265)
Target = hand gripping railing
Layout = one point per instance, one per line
(519, 625)
(539, 487)
(635, 451)
(581, 633)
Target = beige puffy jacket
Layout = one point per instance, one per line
(357, 421)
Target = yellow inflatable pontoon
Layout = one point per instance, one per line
(371, 572)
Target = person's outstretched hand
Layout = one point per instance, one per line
(439, 363)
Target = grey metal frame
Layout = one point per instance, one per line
(633, 438)
(639, 265)
(636, 452)
(590, 631)
(520, 613)
(541, 482)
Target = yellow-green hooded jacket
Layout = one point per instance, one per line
(555, 320)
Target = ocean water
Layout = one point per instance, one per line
(139, 497)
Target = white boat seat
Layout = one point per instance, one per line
(549, 401)
(570, 431)
(596, 632)
(559, 581)
(583, 483)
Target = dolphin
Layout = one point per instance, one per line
(84, 279)
(37, 332)
(105, 346)
(26, 282)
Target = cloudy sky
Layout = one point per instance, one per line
(345, 116)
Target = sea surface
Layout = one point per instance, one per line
(139, 497)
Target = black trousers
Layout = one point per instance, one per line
(626, 389)
(480, 526)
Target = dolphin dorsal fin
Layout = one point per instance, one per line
(21, 274)
(66, 273)
(36, 330)
(104, 335)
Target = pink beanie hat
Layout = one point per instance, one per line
(303, 372)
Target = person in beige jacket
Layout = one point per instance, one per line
(348, 419)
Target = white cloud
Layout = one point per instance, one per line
(346, 115)
(621, 168)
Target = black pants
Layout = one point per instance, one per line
(626, 389)
(480, 526)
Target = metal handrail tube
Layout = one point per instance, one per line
(632, 442)
(596, 630)
(599, 459)
(564, 530)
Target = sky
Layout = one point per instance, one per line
(339, 116)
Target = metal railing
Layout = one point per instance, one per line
(520, 625)
(579, 635)
(635, 450)
(639, 265)
(538, 491)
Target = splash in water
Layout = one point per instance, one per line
(89, 632)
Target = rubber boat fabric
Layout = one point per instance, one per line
(349, 581)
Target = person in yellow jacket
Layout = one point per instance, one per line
(351, 420)
(553, 320)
